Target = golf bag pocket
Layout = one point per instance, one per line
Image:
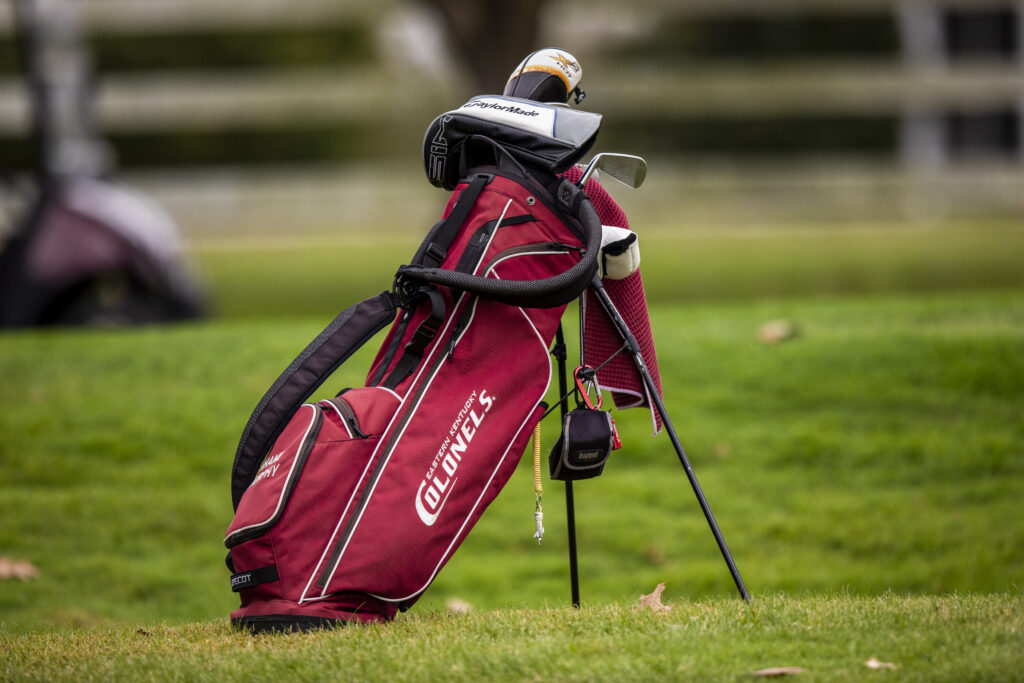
(299, 492)
(587, 439)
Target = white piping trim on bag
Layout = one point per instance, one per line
(390, 391)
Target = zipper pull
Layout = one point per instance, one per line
(454, 339)
(344, 410)
(357, 431)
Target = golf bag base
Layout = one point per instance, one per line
(285, 616)
(283, 623)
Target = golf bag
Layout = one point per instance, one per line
(347, 508)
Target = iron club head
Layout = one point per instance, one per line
(626, 168)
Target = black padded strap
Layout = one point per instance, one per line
(435, 248)
(421, 338)
(344, 336)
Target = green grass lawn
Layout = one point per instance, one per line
(879, 453)
(880, 450)
(829, 638)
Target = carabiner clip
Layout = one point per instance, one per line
(585, 373)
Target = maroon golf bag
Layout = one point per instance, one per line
(346, 508)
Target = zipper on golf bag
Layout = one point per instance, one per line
(468, 263)
(536, 248)
(346, 413)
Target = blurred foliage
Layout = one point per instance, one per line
(338, 142)
(752, 135)
(343, 140)
(867, 35)
(349, 44)
(765, 38)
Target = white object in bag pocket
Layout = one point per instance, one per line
(620, 253)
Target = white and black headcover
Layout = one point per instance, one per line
(529, 122)
(548, 75)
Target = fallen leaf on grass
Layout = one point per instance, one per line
(875, 664)
(457, 606)
(775, 331)
(653, 600)
(778, 671)
(17, 569)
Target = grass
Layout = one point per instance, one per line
(831, 638)
(321, 275)
(867, 476)
(878, 451)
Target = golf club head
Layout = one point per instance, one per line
(626, 168)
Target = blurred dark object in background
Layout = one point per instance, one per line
(86, 250)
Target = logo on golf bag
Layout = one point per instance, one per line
(507, 108)
(241, 580)
(438, 153)
(437, 485)
(269, 468)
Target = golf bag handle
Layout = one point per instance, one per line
(556, 290)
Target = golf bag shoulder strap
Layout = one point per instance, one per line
(426, 331)
(575, 208)
(431, 254)
(352, 328)
(435, 247)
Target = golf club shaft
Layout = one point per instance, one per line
(634, 350)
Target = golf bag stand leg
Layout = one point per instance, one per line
(560, 353)
(633, 349)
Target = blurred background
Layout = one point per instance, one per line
(275, 117)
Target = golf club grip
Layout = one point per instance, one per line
(556, 290)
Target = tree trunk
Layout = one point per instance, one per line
(490, 37)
